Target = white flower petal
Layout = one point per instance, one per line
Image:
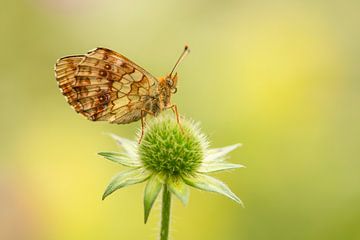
(210, 184)
(218, 154)
(126, 178)
(120, 158)
(217, 166)
(129, 146)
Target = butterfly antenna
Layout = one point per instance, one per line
(184, 53)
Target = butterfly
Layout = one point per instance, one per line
(104, 85)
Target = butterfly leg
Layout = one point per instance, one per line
(175, 110)
(143, 116)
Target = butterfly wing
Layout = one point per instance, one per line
(106, 86)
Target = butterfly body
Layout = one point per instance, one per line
(104, 85)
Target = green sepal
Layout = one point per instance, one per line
(217, 166)
(152, 190)
(120, 158)
(218, 154)
(210, 184)
(179, 189)
(126, 178)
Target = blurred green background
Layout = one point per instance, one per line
(281, 77)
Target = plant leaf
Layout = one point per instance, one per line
(120, 158)
(217, 166)
(129, 146)
(217, 154)
(210, 184)
(152, 190)
(179, 189)
(126, 178)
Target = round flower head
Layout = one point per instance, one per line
(171, 151)
(170, 156)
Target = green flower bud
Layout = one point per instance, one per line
(172, 150)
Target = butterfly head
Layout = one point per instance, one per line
(171, 82)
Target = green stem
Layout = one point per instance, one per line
(165, 213)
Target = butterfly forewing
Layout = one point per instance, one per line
(105, 86)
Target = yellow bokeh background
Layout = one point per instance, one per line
(281, 77)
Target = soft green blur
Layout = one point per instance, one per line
(281, 77)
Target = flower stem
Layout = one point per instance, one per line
(165, 213)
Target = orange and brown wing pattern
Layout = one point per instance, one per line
(105, 86)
